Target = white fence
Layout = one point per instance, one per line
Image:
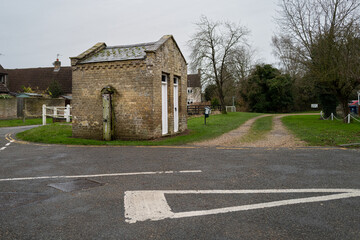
(56, 112)
(230, 109)
(333, 117)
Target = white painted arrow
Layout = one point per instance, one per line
(152, 205)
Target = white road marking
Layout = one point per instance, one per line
(98, 175)
(3, 148)
(152, 205)
(7, 144)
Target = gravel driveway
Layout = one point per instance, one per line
(279, 136)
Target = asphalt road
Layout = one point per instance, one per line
(161, 177)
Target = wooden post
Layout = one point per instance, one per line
(107, 116)
(67, 113)
(44, 114)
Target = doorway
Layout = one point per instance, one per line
(176, 104)
(164, 104)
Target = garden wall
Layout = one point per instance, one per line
(32, 107)
(8, 108)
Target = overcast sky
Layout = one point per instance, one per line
(33, 32)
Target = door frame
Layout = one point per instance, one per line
(164, 104)
(176, 104)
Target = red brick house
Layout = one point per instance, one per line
(3, 80)
(39, 78)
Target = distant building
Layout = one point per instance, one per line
(39, 78)
(194, 88)
(129, 92)
(3, 80)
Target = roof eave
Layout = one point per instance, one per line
(121, 60)
(94, 49)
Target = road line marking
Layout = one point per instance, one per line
(179, 147)
(3, 148)
(152, 205)
(98, 175)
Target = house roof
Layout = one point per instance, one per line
(194, 80)
(103, 53)
(120, 53)
(39, 78)
(2, 70)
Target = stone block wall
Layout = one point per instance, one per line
(132, 100)
(169, 61)
(8, 108)
(32, 107)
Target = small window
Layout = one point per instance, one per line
(176, 80)
(2, 79)
(163, 78)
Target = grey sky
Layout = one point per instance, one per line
(32, 33)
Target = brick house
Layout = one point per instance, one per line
(135, 91)
(3, 80)
(39, 78)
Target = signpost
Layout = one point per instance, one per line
(207, 113)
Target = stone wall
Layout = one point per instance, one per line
(32, 107)
(137, 97)
(132, 100)
(169, 61)
(8, 109)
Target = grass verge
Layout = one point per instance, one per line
(318, 132)
(258, 130)
(215, 126)
(19, 122)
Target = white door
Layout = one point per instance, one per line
(164, 105)
(176, 105)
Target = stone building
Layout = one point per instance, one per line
(129, 92)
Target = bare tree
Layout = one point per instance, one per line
(212, 49)
(323, 38)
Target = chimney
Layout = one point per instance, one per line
(199, 71)
(57, 65)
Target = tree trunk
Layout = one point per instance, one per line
(346, 109)
(223, 106)
(222, 101)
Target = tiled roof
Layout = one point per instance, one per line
(120, 53)
(194, 80)
(102, 53)
(2, 70)
(39, 78)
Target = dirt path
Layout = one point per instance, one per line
(279, 136)
(227, 138)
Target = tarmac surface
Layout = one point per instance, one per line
(189, 192)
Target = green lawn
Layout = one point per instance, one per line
(259, 129)
(318, 132)
(19, 122)
(215, 126)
